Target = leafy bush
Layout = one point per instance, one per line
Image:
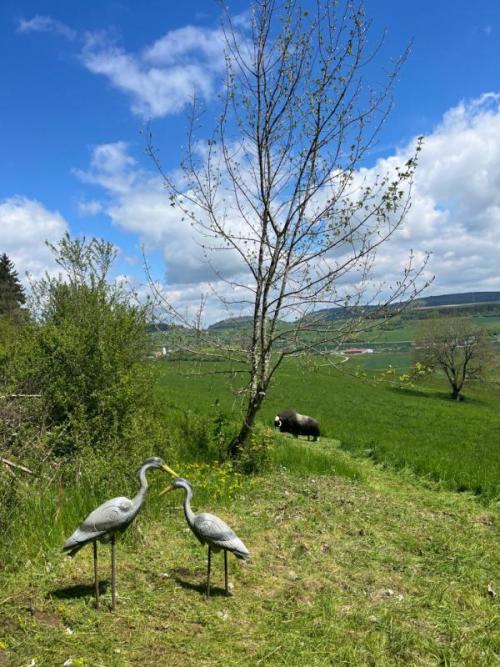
(84, 353)
(256, 456)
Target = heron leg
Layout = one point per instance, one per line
(208, 570)
(225, 572)
(113, 573)
(96, 578)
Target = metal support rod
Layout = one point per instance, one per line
(225, 572)
(113, 571)
(208, 571)
(96, 577)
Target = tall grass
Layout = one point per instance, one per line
(311, 458)
(456, 443)
(37, 513)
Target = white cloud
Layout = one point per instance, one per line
(162, 78)
(165, 76)
(455, 213)
(25, 225)
(138, 203)
(187, 44)
(455, 210)
(111, 167)
(46, 24)
(89, 207)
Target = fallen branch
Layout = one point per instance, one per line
(21, 396)
(16, 465)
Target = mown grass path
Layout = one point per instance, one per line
(379, 571)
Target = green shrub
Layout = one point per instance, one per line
(256, 456)
(84, 353)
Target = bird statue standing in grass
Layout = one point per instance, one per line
(113, 516)
(210, 530)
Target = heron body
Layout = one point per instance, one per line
(111, 517)
(210, 530)
(213, 531)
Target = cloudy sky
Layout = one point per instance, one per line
(80, 80)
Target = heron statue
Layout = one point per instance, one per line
(113, 516)
(210, 530)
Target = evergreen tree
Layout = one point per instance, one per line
(12, 295)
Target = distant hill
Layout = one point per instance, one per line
(231, 323)
(457, 299)
(340, 313)
(440, 300)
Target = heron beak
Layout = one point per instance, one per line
(169, 488)
(169, 470)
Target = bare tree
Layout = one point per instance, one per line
(457, 346)
(278, 184)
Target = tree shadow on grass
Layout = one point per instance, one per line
(444, 396)
(78, 591)
(215, 591)
(407, 391)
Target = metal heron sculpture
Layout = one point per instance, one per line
(210, 530)
(113, 516)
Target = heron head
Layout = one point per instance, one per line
(157, 462)
(153, 462)
(179, 483)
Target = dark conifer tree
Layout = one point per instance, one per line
(12, 296)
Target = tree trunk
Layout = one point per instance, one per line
(239, 440)
(455, 394)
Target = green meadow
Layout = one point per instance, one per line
(418, 428)
(376, 546)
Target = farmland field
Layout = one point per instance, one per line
(398, 330)
(417, 428)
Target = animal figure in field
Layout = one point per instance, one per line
(210, 530)
(111, 517)
(290, 421)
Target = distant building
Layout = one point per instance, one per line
(160, 354)
(358, 350)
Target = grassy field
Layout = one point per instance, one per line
(367, 567)
(363, 552)
(417, 428)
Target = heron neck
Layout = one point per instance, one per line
(188, 512)
(139, 499)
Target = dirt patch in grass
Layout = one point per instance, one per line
(47, 618)
(5, 659)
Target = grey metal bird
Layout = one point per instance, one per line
(113, 516)
(210, 530)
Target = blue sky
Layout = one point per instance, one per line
(77, 90)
